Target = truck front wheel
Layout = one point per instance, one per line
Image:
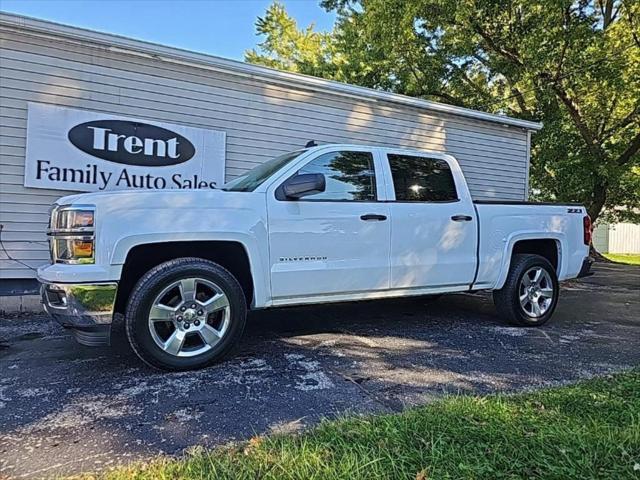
(185, 314)
(530, 293)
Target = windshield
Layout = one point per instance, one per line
(256, 176)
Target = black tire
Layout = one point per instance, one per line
(153, 283)
(507, 299)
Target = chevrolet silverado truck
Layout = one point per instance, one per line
(329, 223)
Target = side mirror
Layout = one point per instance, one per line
(304, 184)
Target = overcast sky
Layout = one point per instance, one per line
(219, 27)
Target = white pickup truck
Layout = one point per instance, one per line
(331, 223)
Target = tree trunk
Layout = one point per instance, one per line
(607, 14)
(594, 208)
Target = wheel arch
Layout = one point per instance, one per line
(233, 255)
(548, 245)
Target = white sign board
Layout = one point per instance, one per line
(70, 149)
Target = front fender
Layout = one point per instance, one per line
(250, 243)
(125, 244)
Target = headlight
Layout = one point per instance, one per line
(73, 250)
(74, 219)
(72, 234)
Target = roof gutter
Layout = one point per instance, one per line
(199, 60)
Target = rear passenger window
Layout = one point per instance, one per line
(348, 176)
(421, 179)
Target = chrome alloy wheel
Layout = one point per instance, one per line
(189, 317)
(536, 292)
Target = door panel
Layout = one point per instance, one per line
(333, 242)
(324, 247)
(433, 224)
(428, 248)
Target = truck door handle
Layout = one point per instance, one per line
(461, 218)
(373, 216)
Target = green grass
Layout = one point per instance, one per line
(627, 258)
(588, 430)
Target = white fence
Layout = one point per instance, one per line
(617, 238)
(624, 238)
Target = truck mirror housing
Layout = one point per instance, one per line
(304, 184)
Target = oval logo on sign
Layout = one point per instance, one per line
(131, 143)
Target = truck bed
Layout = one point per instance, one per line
(503, 223)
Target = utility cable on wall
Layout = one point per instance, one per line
(6, 252)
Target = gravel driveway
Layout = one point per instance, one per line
(65, 408)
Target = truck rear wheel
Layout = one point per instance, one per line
(530, 293)
(185, 314)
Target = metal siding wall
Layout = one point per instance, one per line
(261, 119)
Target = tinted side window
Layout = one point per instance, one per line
(348, 175)
(421, 179)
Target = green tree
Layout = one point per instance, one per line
(574, 65)
(286, 47)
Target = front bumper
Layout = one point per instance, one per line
(86, 309)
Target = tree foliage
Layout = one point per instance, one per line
(287, 47)
(574, 65)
